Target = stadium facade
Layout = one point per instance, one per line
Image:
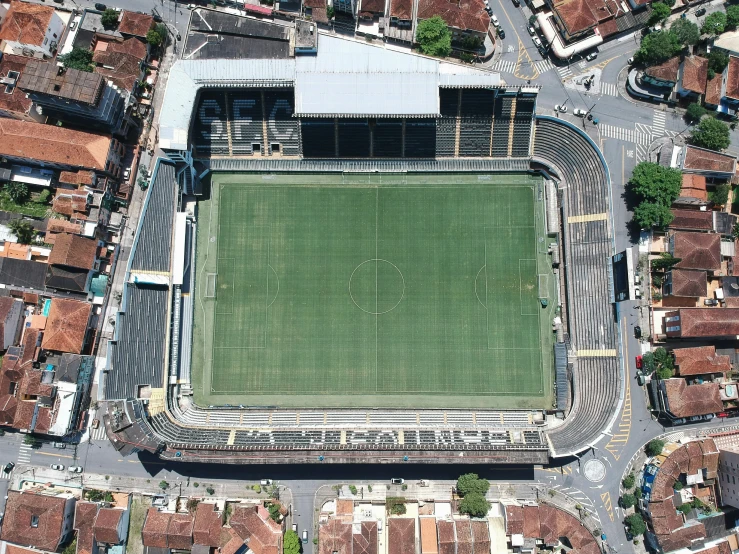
(340, 106)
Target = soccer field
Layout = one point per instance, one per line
(313, 291)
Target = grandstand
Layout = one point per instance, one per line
(361, 111)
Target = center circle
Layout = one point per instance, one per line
(376, 286)
(594, 470)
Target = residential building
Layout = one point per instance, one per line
(134, 24)
(399, 23)
(49, 146)
(206, 530)
(693, 78)
(576, 19)
(72, 263)
(23, 273)
(316, 10)
(728, 472)
(75, 204)
(702, 323)
(401, 535)
(696, 250)
(677, 399)
(693, 190)
(464, 18)
(43, 521)
(83, 99)
(709, 163)
(700, 360)
(31, 30)
(691, 220)
(120, 61)
(11, 312)
(685, 282)
(14, 103)
(66, 326)
(529, 526)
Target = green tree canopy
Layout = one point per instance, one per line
(23, 230)
(291, 543)
(433, 36)
(720, 195)
(665, 261)
(474, 504)
(153, 38)
(718, 60)
(694, 112)
(711, 133)
(686, 31)
(18, 192)
(628, 500)
(471, 483)
(654, 447)
(78, 58)
(651, 214)
(629, 481)
(636, 524)
(660, 12)
(732, 17)
(658, 47)
(109, 19)
(654, 183)
(714, 24)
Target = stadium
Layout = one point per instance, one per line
(352, 253)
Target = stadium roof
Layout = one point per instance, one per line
(346, 77)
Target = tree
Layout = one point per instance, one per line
(330, 12)
(720, 196)
(78, 58)
(18, 192)
(471, 483)
(735, 231)
(663, 358)
(685, 508)
(395, 505)
(732, 17)
(434, 38)
(714, 24)
(665, 261)
(274, 511)
(711, 134)
(694, 112)
(629, 481)
(23, 230)
(658, 47)
(291, 542)
(163, 485)
(654, 447)
(686, 31)
(471, 42)
(628, 500)
(109, 19)
(660, 12)
(475, 505)
(192, 505)
(71, 548)
(636, 524)
(653, 183)
(664, 373)
(678, 486)
(651, 214)
(153, 38)
(43, 197)
(717, 61)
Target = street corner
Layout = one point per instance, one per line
(588, 82)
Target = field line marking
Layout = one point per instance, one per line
(377, 317)
(477, 295)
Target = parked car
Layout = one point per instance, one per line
(695, 418)
(638, 361)
(722, 414)
(58, 467)
(710, 302)
(516, 3)
(531, 30)
(637, 332)
(579, 112)
(295, 527)
(423, 483)
(95, 423)
(397, 481)
(100, 7)
(159, 500)
(305, 536)
(560, 108)
(9, 467)
(590, 57)
(637, 292)
(75, 469)
(700, 11)
(630, 61)
(709, 417)
(494, 19)
(537, 41)
(265, 482)
(501, 32)
(126, 174)
(60, 445)
(679, 421)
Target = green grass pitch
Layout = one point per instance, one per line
(319, 291)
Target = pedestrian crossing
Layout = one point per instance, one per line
(627, 135)
(564, 72)
(642, 153)
(24, 454)
(609, 89)
(98, 434)
(543, 66)
(658, 124)
(505, 66)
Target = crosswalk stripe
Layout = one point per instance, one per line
(98, 434)
(543, 66)
(627, 135)
(564, 71)
(658, 123)
(505, 66)
(24, 454)
(609, 89)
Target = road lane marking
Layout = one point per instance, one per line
(54, 455)
(606, 499)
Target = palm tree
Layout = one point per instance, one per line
(23, 230)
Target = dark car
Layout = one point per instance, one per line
(9, 467)
(516, 3)
(100, 7)
(501, 33)
(637, 332)
(700, 11)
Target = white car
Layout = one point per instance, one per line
(295, 527)
(494, 20)
(560, 109)
(537, 41)
(397, 481)
(75, 469)
(590, 57)
(265, 482)
(531, 30)
(579, 112)
(58, 467)
(630, 61)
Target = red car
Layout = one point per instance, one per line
(722, 414)
(638, 362)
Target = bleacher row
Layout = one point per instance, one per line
(588, 246)
(261, 122)
(178, 436)
(239, 122)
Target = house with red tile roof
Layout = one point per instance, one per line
(707, 162)
(700, 360)
(99, 527)
(66, 326)
(43, 521)
(545, 523)
(693, 190)
(121, 61)
(696, 250)
(693, 77)
(691, 220)
(678, 399)
(72, 262)
(31, 30)
(14, 103)
(401, 535)
(134, 24)
(691, 283)
(577, 19)
(701, 323)
(463, 17)
(207, 525)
